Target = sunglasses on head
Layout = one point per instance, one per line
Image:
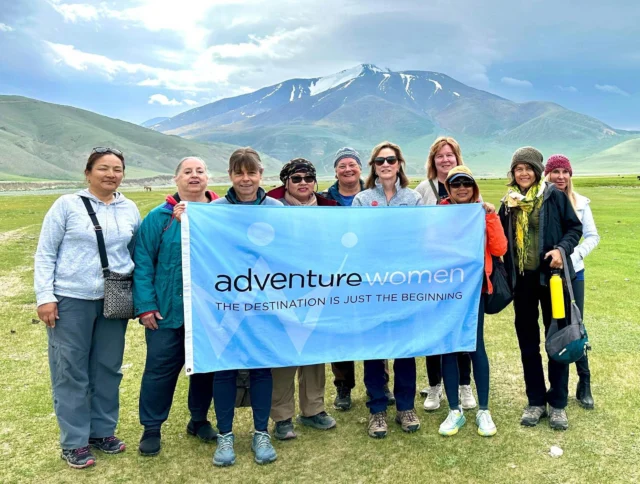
(112, 151)
(462, 183)
(379, 161)
(307, 179)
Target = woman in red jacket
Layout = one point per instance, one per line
(462, 188)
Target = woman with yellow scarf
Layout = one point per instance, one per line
(538, 219)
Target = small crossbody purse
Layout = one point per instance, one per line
(118, 295)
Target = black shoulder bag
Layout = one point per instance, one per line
(118, 296)
(502, 284)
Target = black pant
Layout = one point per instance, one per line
(528, 294)
(404, 383)
(582, 365)
(434, 369)
(165, 359)
(344, 373)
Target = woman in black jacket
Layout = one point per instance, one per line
(538, 219)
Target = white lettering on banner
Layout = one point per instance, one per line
(408, 277)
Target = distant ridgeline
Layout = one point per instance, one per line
(313, 118)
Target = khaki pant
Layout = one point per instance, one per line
(311, 381)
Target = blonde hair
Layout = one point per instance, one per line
(568, 191)
(371, 179)
(437, 145)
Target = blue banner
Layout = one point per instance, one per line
(272, 286)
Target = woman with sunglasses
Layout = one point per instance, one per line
(538, 219)
(462, 188)
(85, 348)
(298, 178)
(157, 296)
(444, 155)
(387, 185)
(245, 173)
(559, 172)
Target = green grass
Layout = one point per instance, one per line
(600, 446)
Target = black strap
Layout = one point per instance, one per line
(567, 274)
(435, 190)
(104, 261)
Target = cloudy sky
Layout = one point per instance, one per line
(138, 59)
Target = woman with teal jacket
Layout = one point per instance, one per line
(157, 296)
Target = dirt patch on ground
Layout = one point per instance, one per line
(11, 235)
(12, 283)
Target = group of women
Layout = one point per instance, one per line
(537, 216)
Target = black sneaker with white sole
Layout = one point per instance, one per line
(79, 458)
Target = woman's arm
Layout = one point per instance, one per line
(590, 234)
(496, 240)
(51, 235)
(145, 257)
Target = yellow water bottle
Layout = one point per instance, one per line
(557, 295)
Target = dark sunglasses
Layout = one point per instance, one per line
(462, 183)
(389, 159)
(112, 151)
(295, 179)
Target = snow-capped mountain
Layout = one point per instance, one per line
(364, 105)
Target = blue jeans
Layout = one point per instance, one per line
(404, 384)
(224, 397)
(480, 361)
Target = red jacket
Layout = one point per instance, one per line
(278, 194)
(495, 244)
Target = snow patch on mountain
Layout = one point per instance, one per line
(456, 94)
(293, 93)
(329, 82)
(437, 84)
(274, 91)
(406, 79)
(386, 78)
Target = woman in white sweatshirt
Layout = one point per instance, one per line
(559, 172)
(85, 348)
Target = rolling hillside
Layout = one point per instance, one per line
(39, 140)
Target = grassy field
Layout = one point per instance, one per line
(602, 445)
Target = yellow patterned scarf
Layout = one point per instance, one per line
(526, 204)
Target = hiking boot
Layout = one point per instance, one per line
(224, 454)
(532, 415)
(378, 425)
(203, 430)
(434, 397)
(583, 393)
(467, 400)
(321, 421)
(79, 458)
(283, 430)
(150, 443)
(391, 400)
(343, 398)
(558, 419)
(108, 445)
(262, 448)
(486, 427)
(408, 420)
(454, 421)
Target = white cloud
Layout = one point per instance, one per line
(611, 89)
(163, 100)
(567, 88)
(72, 12)
(6, 28)
(190, 102)
(510, 81)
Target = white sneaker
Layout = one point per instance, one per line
(485, 424)
(434, 396)
(467, 401)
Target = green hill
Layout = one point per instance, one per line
(39, 140)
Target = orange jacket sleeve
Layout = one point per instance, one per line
(496, 240)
